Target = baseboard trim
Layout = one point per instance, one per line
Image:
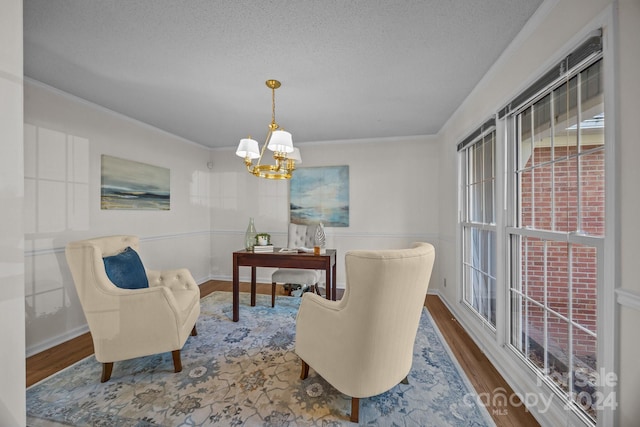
(57, 340)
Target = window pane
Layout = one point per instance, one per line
(489, 154)
(525, 148)
(533, 257)
(558, 277)
(542, 131)
(476, 149)
(491, 315)
(468, 290)
(543, 196)
(585, 392)
(565, 175)
(565, 138)
(491, 253)
(489, 214)
(475, 202)
(477, 291)
(592, 107)
(527, 193)
(558, 351)
(534, 331)
(592, 196)
(517, 315)
(584, 273)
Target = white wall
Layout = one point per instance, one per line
(12, 356)
(629, 206)
(393, 199)
(64, 138)
(557, 27)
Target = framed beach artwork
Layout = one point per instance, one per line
(320, 194)
(133, 185)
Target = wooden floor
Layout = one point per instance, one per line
(481, 373)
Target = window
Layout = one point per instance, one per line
(479, 222)
(557, 238)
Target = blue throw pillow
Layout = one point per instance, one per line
(125, 270)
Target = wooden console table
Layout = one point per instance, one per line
(244, 258)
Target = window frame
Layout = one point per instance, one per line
(605, 318)
(468, 223)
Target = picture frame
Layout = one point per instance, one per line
(130, 185)
(320, 195)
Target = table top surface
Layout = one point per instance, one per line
(276, 251)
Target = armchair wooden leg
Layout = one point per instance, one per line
(273, 294)
(405, 380)
(194, 332)
(305, 370)
(106, 372)
(355, 409)
(177, 363)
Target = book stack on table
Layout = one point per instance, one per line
(263, 248)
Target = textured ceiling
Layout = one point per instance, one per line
(196, 68)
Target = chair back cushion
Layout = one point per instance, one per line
(301, 235)
(125, 270)
(85, 259)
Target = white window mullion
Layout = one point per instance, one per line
(570, 313)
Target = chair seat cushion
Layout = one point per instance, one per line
(295, 275)
(125, 270)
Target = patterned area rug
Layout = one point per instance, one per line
(247, 374)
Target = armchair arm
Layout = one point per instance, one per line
(179, 279)
(143, 320)
(313, 302)
(322, 332)
(333, 339)
(143, 305)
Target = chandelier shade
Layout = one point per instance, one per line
(248, 148)
(295, 156)
(278, 140)
(281, 141)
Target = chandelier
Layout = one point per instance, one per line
(278, 140)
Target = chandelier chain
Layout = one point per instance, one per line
(273, 108)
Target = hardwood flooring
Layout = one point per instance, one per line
(482, 375)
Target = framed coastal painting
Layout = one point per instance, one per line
(320, 194)
(126, 184)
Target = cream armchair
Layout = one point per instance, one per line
(363, 344)
(129, 323)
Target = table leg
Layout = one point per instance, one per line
(253, 286)
(333, 283)
(327, 282)
(236, 292)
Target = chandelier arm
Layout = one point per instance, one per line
(264, 147)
